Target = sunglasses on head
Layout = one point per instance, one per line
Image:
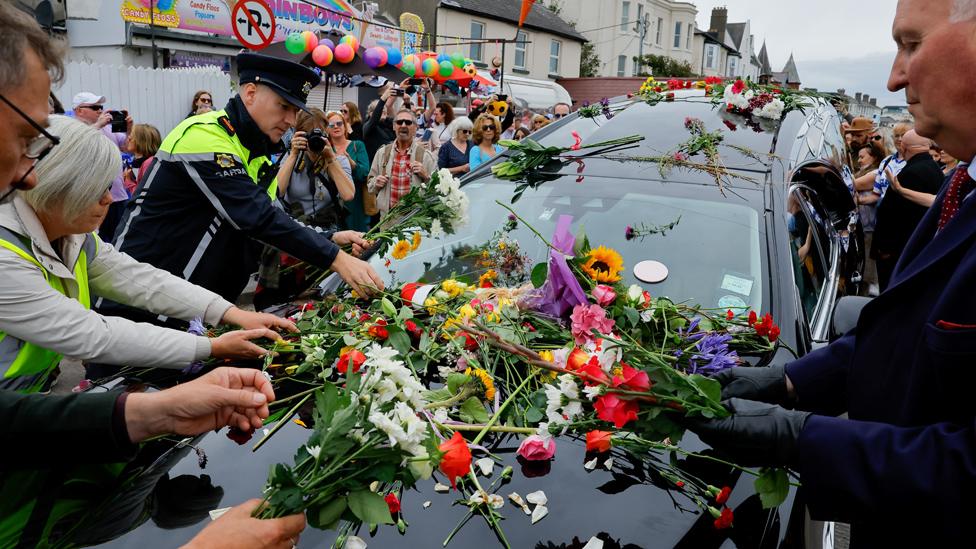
(404, 122)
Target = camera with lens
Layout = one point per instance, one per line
(316, 141)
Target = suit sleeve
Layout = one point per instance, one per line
(820, 378)
(248, 208)
(853, 469)
(39, 430)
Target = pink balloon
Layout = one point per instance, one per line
(322, 55)
(344, 53)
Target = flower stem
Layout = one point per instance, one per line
(281, 423)
(501, 408)
(491, 428)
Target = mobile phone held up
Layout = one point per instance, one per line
(118, 121)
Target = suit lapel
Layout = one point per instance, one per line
(925, 249)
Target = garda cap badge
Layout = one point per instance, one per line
(306, 88)
(224, 160)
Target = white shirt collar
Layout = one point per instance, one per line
(972, 169)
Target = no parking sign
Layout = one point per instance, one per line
(254, 23)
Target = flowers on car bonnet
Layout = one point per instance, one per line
(352, 356)
(604, 295)
(400, 249)
(598, 441)
(535, 448)
(586, 318)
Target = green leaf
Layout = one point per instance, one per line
(370, 507)
(326, 516)
(772, 485)
(399, 340)
(539, 274)
(632, 316)
(534, 415)
(388, 308)
(473, 411)
(438, 395)
(710, 387)
(455, 381)
(405, 313)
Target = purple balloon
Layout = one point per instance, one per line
(372, 58)
(327, 42)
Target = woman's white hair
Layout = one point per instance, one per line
(78, 170)
(963, 10)
(459, 123)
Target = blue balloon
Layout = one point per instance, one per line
(393, 56)
(441, 57)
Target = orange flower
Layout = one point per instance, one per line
(598, 441)
(456, 460)
(577, 359)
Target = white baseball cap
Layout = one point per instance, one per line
(86, 98)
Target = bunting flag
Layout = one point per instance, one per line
(526, 8)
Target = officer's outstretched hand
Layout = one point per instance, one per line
(756, 434)
(237, 529)
(357, 273)
(352, 238)
(764, 384)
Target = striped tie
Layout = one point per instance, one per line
(960, 186)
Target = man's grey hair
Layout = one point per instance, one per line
(19, 32)
(77, 172)
(458, 124)
(963, 10)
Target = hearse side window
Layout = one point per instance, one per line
(809, 248)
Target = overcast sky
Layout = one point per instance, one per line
(836, 43)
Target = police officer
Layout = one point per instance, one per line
(206, 204)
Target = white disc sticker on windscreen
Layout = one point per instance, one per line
(651, 272)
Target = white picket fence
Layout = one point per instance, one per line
(160, 97)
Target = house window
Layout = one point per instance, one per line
(621, 65)
(711, 56)
(660, 29)
(677, 34)
(640, 17)
(477, 33)
(733, 65)
(691, 32)
(520, 44)
(624, 16)
(554, 47)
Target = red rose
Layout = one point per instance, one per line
(632, 379)
(729, 315)
(393, 503)
(413, 329)
(752, 317)
(738, 87)
(576, 360)
(598, 441)
(612, 408)
(723, 495)
(364, 317)
(355, 356)
(725, 520)
(773, 334)
(456, 460)
(680, 484)
(378, 330)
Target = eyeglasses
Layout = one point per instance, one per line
(344, 111)
(877, 138)
(557, 115)
(206, 100)
(488, 128)
(465, 131)
(96, 108)
(336, 124)
(404, 122)
(39, 146)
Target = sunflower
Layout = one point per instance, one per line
(485, 380)
(401, 249)
(604, 265)
(416, 242)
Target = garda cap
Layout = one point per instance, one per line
(288, 79)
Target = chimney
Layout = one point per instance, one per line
(874, 101)
(841, 91)
(857, 97)
(720, 18)
(865, 98)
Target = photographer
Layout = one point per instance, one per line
(312, 179)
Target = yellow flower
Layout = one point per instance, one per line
(548, 357)
(431, 305)
(485, 379)
(450, 325)
(453, 287)
(488, 276)
(467, 311)
(502, 245)
(416, 242)
(604, 265)
(401, 249)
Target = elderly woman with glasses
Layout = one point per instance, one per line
(55, 268)
(454, 154)
(487, 131)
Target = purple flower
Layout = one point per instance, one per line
(629, 233)
(586, 103)
(197, 327)
(713, 354)
(193, 368)
(691, 333)
(511, 217)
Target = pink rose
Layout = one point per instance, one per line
(534, 448)
(585, 319)
(604, 295)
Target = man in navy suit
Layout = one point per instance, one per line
(902, 467)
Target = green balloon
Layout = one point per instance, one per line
(409, 68)
(295, 43)
(446, 68)
(457, 58)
